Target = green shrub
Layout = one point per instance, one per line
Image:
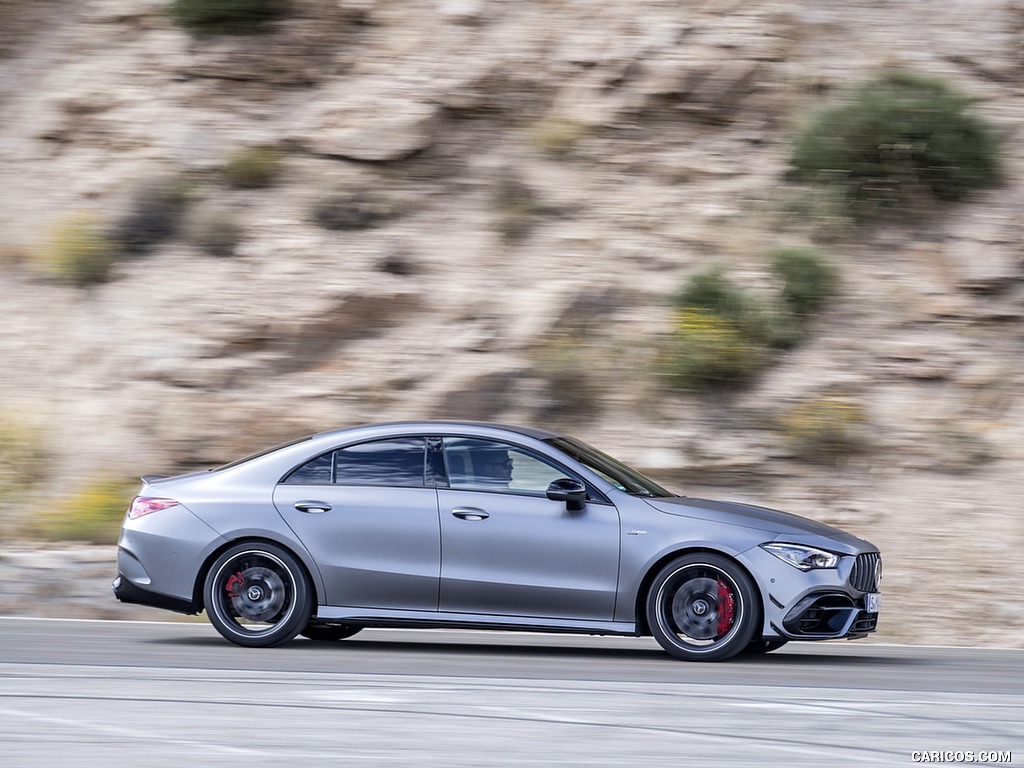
(808, 279)
(253, 167)
(153, 216)
(24, 463)
(710, 350)
(904, 139)
(712, 290)
(92, 515)
(79, 250)
(761, 318)
(557, 136)
(350, 210)
(225, 16)
(825, 427)
(769, 321)
(22, 455)
(725, 334)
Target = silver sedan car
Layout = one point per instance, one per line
(483, 526)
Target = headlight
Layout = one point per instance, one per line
(803, 557)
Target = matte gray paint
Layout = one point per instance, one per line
(529, 557)
(367, 558)
(375, 547)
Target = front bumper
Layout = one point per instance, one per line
(821, 604)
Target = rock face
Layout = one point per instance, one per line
(482, 210)
(370, 125)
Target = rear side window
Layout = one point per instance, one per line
(384, 462)
(315, 472)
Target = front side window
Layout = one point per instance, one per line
(397, 462)
(485, 465)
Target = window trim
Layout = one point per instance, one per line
(594, 494)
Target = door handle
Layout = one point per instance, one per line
(470, 513)
(313, 507)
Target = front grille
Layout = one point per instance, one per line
(866, 570)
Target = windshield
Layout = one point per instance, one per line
(614, 471)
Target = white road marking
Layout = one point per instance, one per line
(150, 737)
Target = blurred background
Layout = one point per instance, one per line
(765, 251)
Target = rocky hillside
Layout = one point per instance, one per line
(482, 209)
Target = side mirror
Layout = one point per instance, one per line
(572, 492)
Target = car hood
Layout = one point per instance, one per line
(783, 525)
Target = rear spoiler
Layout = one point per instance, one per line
(147, 479)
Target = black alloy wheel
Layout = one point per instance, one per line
(258, 595)
(703, 607)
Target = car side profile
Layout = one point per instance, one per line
(483, 526)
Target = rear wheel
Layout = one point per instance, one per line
(257, 595)
(328, 632)
(702, 607)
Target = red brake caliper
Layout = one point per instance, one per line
(234, 585)
(726, 608)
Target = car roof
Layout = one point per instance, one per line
(439, 426)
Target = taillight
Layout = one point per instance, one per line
(147, 505)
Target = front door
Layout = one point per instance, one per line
(509, 550)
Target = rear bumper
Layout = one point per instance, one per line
(127, 592)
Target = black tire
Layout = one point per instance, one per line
(703, 607)
(258, 595)
(761, 646)
(327, 633)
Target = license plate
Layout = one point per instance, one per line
(873, 602)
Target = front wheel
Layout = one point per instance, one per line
(258, 595)
(703, 607)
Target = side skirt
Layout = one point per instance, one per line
(368, 617)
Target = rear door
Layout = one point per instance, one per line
(368, 518)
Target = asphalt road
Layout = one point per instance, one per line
(93, 693)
